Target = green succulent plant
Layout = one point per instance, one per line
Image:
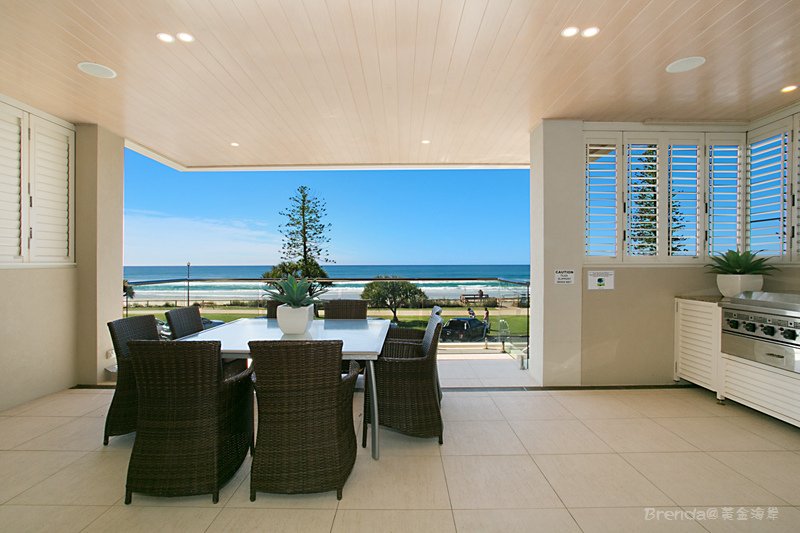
(295, 292)
(733, 262)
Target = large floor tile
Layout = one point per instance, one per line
(599, 480)
(636, 520)
(264, 500)
(396, 482)
(15, 430)
(696, 478)
(460, 382)
(48, 518)
(598, 406)
(530, 406)
(129, 519)
(784, 435)
(778, 472)
(637, 435)
(94, 479)
(467, 406)
(488, 437)
(80, 434)
(749, 519)
(374, 521)
(661, 405)
(393, 443)
(456, 370)
(558, 436)
(500, 482)
(273, 520)
(66, 404)
(515, 521)
(716, 434)
(21, 470)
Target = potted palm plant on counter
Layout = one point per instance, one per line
(297, 297)
(738, 272)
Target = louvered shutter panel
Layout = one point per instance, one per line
(601, 200)
(51, 177)
(642, 200)
(724, 197)
(767, 194)
(12, 220)
(684, 202)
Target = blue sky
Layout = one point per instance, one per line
(379, 217)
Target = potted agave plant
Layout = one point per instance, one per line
(738, 272)
(298, 297)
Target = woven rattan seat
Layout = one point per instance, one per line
(408, 392)
(194, 428)
(187, 321)
(345, 310)
(306, 440)
(121, 417)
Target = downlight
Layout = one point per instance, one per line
(685, 64)
(97, 70)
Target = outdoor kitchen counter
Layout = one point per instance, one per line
(714, 298)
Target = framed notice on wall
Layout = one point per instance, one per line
(601, 280)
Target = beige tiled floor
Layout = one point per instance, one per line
(560, 461)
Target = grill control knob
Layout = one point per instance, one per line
(790, 334)
(768, 330)
(734, 324)
(749, 326)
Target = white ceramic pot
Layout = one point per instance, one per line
(733, 284)
(295, 320)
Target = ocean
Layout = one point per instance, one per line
(445, 280)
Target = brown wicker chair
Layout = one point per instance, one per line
(121, 417)
(186, 321)
(408, 395)
(194, 427)
(409, 334)
(306, 441)
(272, 308)
(345, 309)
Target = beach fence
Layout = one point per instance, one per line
(227, 299)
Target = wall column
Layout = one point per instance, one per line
(98, 244)
(557, 236)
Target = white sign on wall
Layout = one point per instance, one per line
(601, 280)
(565, 277)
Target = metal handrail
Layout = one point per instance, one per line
(324, 280)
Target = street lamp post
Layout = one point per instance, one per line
(188, 275)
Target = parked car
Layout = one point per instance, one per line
(463, 329)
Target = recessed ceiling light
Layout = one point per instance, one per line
(590, 32)
(97, 70)
(685, 64)
(426, 141)
(234, 144)
(165, 37)
(571, 31)
(789, 88)
(185, 37)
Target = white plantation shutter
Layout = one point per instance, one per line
(601, 199)
(768, 193)
(684, 200)
(12, 219)
(51, 177)
(724, 195)
(641, 199)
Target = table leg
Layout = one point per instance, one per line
(373, 392)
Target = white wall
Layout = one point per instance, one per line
(38, 332)
(556, 244)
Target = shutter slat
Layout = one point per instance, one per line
(767, 189)
(601, 200)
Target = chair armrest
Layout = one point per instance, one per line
(241, 376)
(353, 371)
(402, 350)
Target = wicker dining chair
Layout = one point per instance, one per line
(121, 417)
(186, 321)
(408, 393)
(410, 334)
(272, 308)
(305, 441)
(345, 309)
(194, 426)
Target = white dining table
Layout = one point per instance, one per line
(362, 341)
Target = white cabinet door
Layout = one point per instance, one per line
(697, 342)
